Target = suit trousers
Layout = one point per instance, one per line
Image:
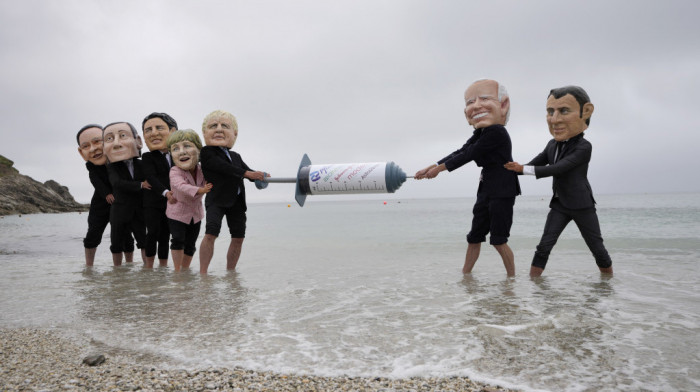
(157, 232)
(121, 231)
(491, 215)
(587, 221)
(98, 218)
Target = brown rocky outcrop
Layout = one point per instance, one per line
(20, 194)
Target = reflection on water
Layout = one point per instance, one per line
(160, 309)
(555, 326)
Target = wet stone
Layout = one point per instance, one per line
(94, 360)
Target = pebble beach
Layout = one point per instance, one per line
(38, 360)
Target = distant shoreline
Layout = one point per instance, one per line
(39, 359)
(80, 210)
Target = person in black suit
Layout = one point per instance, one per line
(565, 159)
(90, 147)
(487, 110)
(122, 146)
(156, 164)
(225, 170)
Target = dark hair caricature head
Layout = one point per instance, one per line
(576, 92)
(163, 116)
(77, 137)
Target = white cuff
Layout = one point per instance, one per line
(529, 170)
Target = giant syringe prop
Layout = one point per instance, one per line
(341, 178)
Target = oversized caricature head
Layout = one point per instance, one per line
(184, 146)
(487, 103)
(156, 128)
(569, 111)
(121, 142)
(90, 144)
(220, 128)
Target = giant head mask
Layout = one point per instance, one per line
(569, 111)
(90, 144)
(487, 103)
(121, 142)
(156, 128)
(184, 146)
(220, 129)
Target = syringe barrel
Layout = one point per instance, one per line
(350, 178)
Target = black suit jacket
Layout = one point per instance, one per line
(226, 176)
(570, 172)
(157, 172)
(128, 196)
(100, 181)
(490, 148)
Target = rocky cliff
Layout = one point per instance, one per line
(20, 194)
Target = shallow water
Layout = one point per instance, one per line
(365, 289)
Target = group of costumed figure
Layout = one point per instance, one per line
(158, 196)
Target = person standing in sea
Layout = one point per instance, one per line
(122, 146)
(565, 158)
(90, 147)
(226, 170)
(487, 110)
(156, 128)
(185, 213)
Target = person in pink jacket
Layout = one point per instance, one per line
(188, 185)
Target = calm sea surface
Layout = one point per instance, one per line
(361, 288)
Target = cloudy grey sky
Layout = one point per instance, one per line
(355, 81)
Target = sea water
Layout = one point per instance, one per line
(363, 288)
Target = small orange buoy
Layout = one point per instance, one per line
(289, 205)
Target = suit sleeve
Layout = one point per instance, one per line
(150, 171)
(246, 167)
(541, 159)
(122, 184)
(215, 163)
(473, 150)
(101, 184)
(579, 156)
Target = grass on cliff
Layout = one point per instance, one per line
(6, 168)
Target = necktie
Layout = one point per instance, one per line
(557, 153)
(130, 166)
(167, 158)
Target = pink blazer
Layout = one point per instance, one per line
(189, 203)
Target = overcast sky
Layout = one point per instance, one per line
(355, 81)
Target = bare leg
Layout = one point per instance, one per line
(129, 256)
(90, 256)
(606, 270)
(143, 257)
(148, 261)
(535, 271)
(473, 251)
(117, 258)
(186, 260)
(508, 258)
(163, 262)
(177, 258)
(206, 252)
(234, 253)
